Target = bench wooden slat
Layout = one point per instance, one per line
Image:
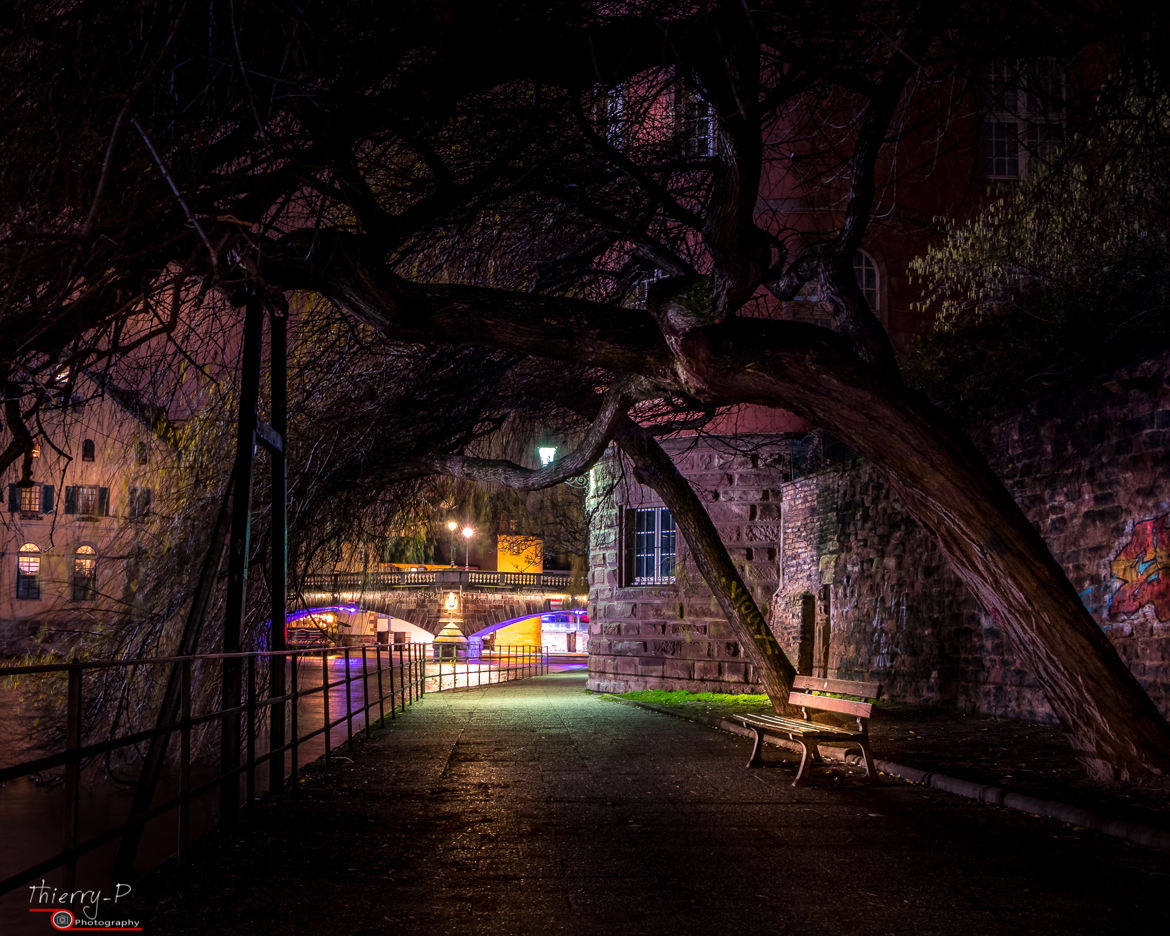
(830, 704)
(780, 723)
(808, 734)
(865, 690)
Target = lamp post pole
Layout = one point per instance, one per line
(452, 526)
(468, 533)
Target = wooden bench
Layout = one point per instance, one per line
(808, 733)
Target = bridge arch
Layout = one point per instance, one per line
(485, 599)
(561, 630)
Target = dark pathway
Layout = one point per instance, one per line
(536, 808)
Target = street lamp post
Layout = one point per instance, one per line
(468, 533)
(452, 526)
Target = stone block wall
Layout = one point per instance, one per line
(854, 588)
(674, 636)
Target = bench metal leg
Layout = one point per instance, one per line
(809, 753)
(870, 770)
(755, 760)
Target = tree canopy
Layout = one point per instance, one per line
(488, 191)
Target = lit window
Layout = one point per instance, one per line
(30, 498)
(87, 450)
(866, 272)
(28, 570)
(85, 574)
(650, 550)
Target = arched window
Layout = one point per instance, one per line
(85, 574)
(87, 450)
(866, 272)
(28, 572)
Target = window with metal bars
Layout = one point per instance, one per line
(650, 546)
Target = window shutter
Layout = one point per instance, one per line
(103, 502)
(70, 500)
(143, 501)
(46, 498)
(132, 502)
(13, 499)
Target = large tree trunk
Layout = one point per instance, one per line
(654, 468)
(947, 486)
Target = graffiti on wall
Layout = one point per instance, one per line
(1141, 570)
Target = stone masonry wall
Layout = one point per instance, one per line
(857, 590)
(673, 636)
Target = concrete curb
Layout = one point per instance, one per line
(1137, 833)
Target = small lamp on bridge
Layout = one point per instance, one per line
(452, 526)
(468, 533)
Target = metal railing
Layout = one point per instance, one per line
(400, 675)
(337, 582)
(467, 667)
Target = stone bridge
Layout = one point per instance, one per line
(473, 599)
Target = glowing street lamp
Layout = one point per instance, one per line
(468, 533)
(452, 526)
(548, 454)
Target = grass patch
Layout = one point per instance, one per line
(720, 704)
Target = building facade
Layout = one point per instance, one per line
(78, 508)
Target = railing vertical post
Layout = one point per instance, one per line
(348, 702)
(184, 763)
(325, 703)
(277, 687)
(238, 556)
(73, 767)
(251, 742)
(293, 722)
(365, 692)
(381, 690)
(278, 463)
(390, 666)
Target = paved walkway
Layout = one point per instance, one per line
(537, 808)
